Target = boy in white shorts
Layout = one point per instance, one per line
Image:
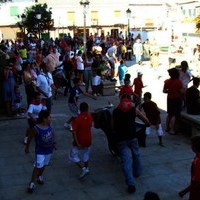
(82, 140)
(153, 114)
(44, 145)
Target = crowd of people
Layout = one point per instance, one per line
(36, 65)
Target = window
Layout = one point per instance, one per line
(94, 15)
(71, 18)
(117, 13)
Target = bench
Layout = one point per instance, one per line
(190, 124)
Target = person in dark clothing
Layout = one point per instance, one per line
(68, 68)
(153, 114)
(127, 143)
(193, 98)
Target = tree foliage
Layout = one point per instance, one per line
(34, 25)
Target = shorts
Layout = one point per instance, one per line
(48, 102)
(174, 106)
(159, 130)
(80, 71)
(79, 154)
(73, 109)
(42, 160)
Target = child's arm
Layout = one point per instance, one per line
(89, 95)
(75, 138)
(31, 135)
(142, 117)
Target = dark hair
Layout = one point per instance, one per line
(79, 52)
(128, 76)
(184, 65)
(148, 95)
(196, 143)
(43, 114)
(196, 81)
(173, 73)
(151, 196)
(122, 61)
(84, 107)
(126, 81)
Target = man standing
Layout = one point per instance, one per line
(138, 51)
(44, 85)
(193, 98)
(111, 54)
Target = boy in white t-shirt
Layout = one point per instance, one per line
(96, 84)
(32, 113)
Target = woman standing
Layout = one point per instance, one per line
(28, 82)
(88, 71)
(8, 89)
(174, 89)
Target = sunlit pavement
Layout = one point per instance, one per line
(166, 170)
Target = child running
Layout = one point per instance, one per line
(82, 139)
(153, 114)
(44, 144)
(73, 101)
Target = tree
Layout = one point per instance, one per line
(32, 24)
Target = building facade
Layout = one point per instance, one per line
(103, 16)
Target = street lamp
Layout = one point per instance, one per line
(38, 16)
(23, 17)
(128, 13)
(84, 3)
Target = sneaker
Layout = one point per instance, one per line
(40, 180)
(87, 170)
(31, 188)
(84, 173)
(131, 189)
(161, 144)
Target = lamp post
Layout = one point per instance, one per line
(84, 3)
(128, 13)
(23, 17)
(38, 16)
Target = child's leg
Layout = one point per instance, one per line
(159, 133)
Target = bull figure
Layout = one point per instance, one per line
(103, 120)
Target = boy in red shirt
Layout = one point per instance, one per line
(82, 139)
(138, 85)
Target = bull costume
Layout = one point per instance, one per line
(124, 128)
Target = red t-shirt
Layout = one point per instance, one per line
(82, 128)
(173, 88)
(126, 89)
(196, 169)
(138, 85)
